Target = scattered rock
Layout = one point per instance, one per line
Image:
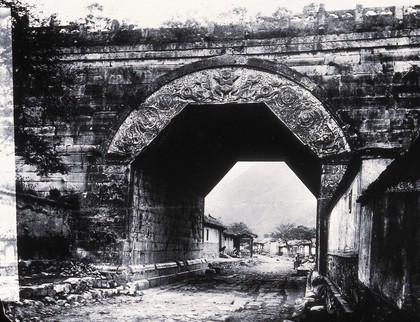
(62, 288)
(49, 300)
(317, 308)
(61, 302)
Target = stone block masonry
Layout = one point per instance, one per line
(166, 220)
(364, 66)
(46, 228)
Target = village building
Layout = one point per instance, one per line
(238, 243)
(274, 246)
(212, 236)
(267, 245)
(374, 238)
(228, 242)
(218, 239)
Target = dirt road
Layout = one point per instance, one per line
(263, 291)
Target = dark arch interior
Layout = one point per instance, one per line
(202, 143)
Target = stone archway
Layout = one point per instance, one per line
(164, 224)
(288, 94)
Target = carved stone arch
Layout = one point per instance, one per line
(293, 98)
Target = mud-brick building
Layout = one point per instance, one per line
(212, 236)
(374, 238)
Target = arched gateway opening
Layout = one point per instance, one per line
(195, 124)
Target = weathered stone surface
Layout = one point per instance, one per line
(165, 223)
(367, 98)
(302, 113)
(45, 227)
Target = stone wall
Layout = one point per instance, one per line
(103, 212)
(369, 82)
(166, 221)
(45, 228)
(395, 256)
(342, 270)
(377, 106)
(363, 63)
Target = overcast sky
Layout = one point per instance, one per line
(262, 195)
(152, 13)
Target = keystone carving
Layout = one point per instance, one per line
(294, 105)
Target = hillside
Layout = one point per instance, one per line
(262, 195)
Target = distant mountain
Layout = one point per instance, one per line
(262, 195)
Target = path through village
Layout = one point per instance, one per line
(264, 289)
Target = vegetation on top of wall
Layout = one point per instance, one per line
(41, 88)
(95, 29)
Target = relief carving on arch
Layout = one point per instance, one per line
(294, 105)
(332, 174)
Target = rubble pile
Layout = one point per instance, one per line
(34, 269)
(47, 287)
(314, 305)
(68, 282)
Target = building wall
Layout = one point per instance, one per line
(273, 248)
(344, 221)
(229, 243)
(211, 235)
(348, 233)
(211, 242)
(394, 265)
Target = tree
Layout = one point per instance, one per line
(282, 13)
(95, 20)
(288, 232)
(240, 228)
(41, 87)
(234, 16)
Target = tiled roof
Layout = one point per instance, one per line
(211, 221)
(242, 234)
